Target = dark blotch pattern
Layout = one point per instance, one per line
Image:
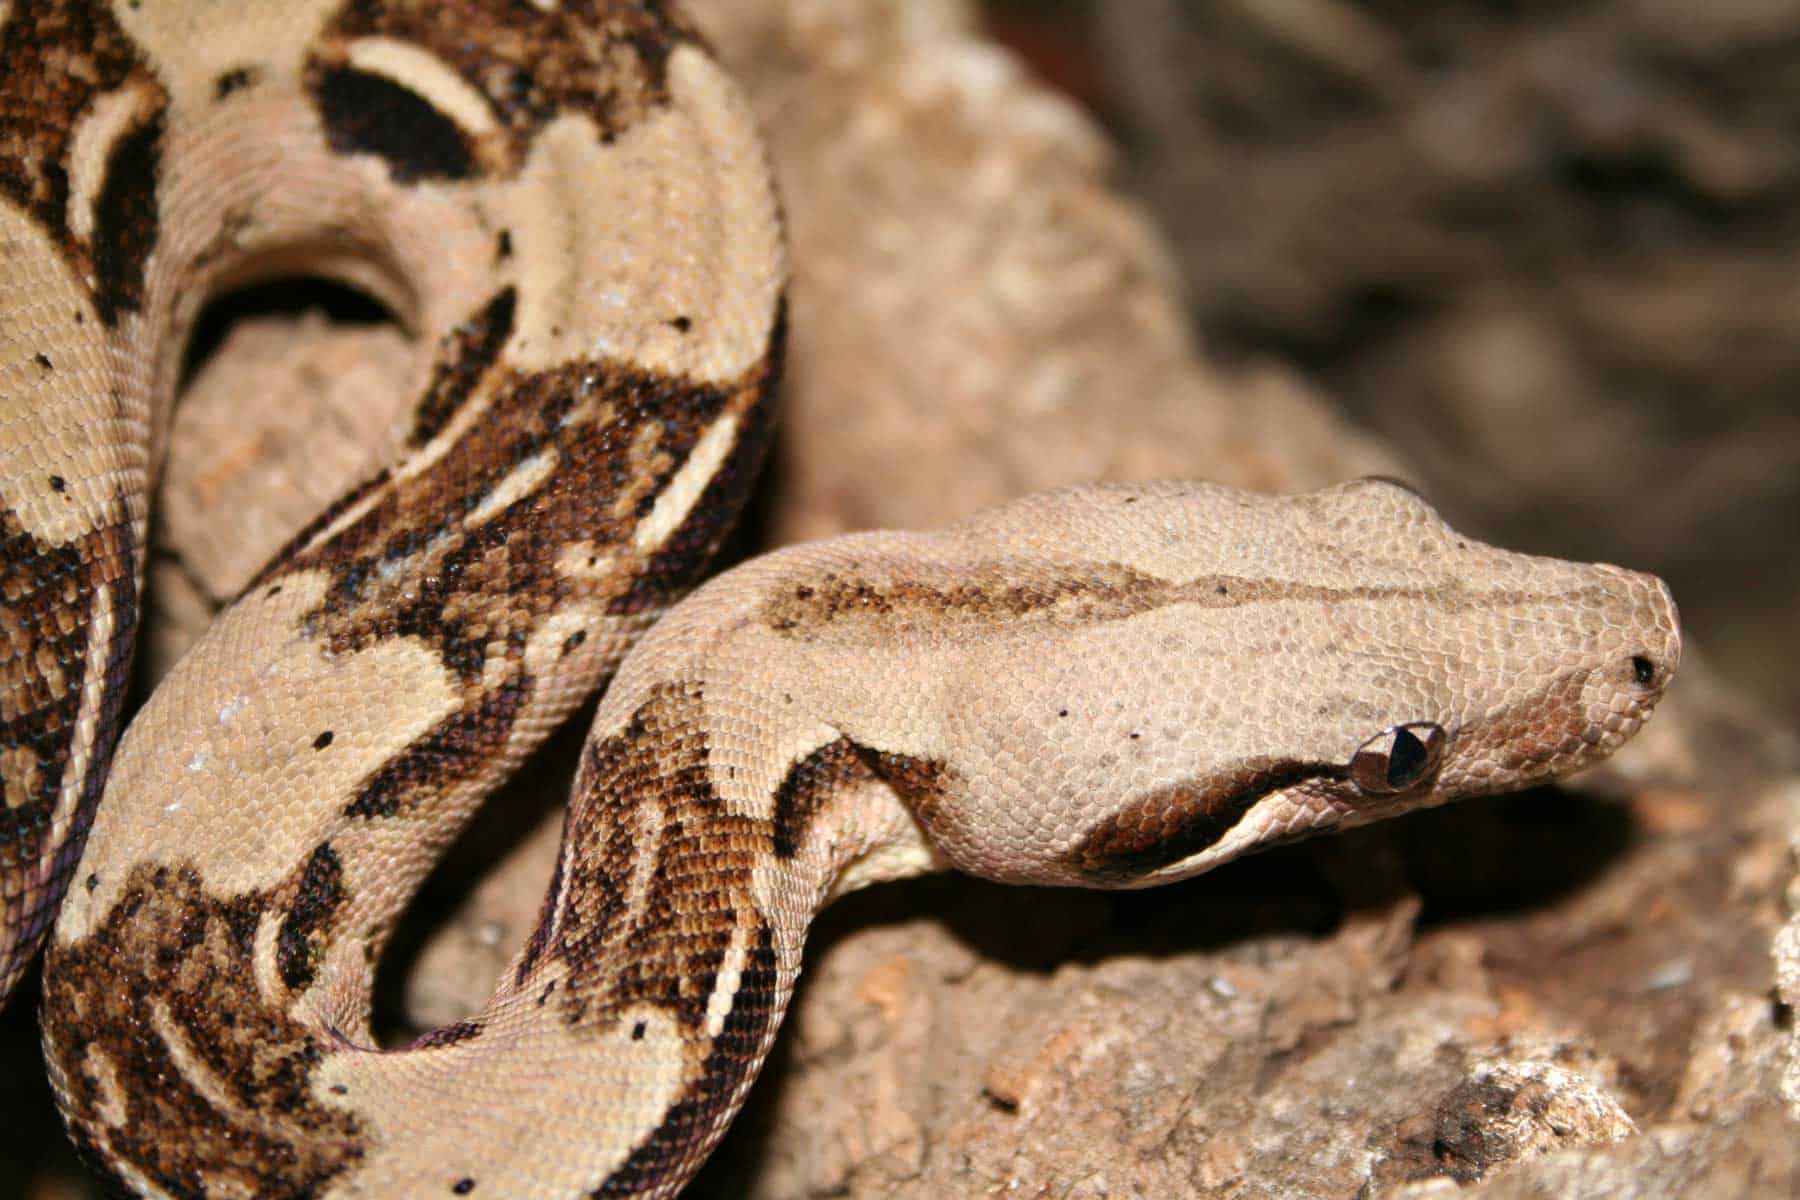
(809, 786)
(699, 885)
(925, 786)
(695, 1122)
(410, 567)
(47, 599)
(471, 350)
(443, 758)
(60, 56)
(605, 58)
(413, 567)
(658, 932)
(371, 114)
(922, 783)
(157, 1016)
(318, 895)
(169, 959)
(125, 220)
(679, 563)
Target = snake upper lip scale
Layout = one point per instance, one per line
(1108, 686)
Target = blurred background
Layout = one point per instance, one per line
(1547, 249)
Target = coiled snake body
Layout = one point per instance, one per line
(567, 204)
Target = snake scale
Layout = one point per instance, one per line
(566, 204)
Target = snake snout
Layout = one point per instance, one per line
(1641, 654)
(1653, 630)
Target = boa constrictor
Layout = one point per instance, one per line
(566, 203)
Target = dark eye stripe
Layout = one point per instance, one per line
(1153, 830)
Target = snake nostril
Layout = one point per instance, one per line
(1643, 670)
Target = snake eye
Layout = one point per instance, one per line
(1395, 759)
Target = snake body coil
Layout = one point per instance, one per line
(567, 205)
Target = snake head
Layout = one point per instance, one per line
(1246, 670)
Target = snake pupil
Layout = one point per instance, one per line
(1406, 762)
